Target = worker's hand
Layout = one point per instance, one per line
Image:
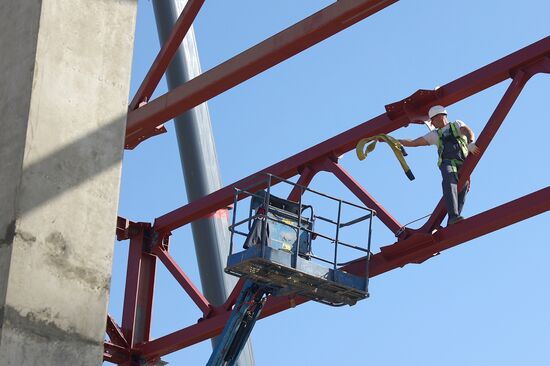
(472, 148)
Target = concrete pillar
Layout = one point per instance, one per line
(64, 82)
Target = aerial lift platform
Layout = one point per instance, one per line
(278, 259)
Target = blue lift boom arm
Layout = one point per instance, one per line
(239, 326)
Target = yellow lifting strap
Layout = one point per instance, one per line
(395, 145)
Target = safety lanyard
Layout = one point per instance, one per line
(395, 145)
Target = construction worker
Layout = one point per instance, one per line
(454, 140)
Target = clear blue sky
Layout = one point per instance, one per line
(483, 303)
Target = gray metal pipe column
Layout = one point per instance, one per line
(200, 165)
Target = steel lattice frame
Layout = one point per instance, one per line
(130, 341)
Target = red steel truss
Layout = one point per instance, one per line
(130, 342)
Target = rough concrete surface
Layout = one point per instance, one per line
(64, 83)
(16, 72)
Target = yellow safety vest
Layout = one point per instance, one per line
(462, 142)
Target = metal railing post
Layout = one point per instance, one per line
(337, 234)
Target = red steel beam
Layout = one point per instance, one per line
(115, 354)
(183, 280)
(232, 298)
(285, 44)
(448, 94)
(166, 53)
(410, 250)
(305, 179)
(115, 333)
(131, 289)
(470, 228)
(140, 280)
(363, 195)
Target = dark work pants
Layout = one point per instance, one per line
(453, 200)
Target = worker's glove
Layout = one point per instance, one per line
(472, 147)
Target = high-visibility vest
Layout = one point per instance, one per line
(460, 146)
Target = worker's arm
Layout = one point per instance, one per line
(421, 141)
(467, 131)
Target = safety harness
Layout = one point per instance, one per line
(395, 145)
(452, 146)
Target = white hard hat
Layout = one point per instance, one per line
(435, 110)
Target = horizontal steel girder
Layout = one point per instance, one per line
(143, 122)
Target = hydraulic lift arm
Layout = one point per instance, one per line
(239, 326)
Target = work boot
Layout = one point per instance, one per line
(454, 220)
